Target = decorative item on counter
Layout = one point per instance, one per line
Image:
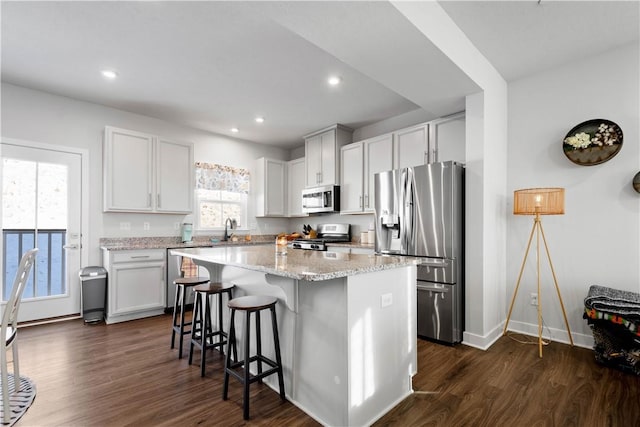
(281, 244)
(636, 182)
(593, 142)
(308, 232)
(372, 237)
(364, 237)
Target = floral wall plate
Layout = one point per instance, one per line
(592, 142)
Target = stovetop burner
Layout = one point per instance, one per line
(327, 233)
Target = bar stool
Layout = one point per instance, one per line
(252, 304)
(202, 333)
(182, 283)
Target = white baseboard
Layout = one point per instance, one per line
(483, 342)
(552, 334)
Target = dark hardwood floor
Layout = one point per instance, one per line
(126, 374)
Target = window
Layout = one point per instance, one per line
(215, 206)
(221, 193)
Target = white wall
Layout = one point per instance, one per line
(597, 241)
(45, 118)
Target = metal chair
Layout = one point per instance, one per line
(9, 330)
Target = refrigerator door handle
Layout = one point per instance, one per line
(432, 289)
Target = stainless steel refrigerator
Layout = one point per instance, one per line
(419, 212)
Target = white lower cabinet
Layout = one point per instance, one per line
(136, 283)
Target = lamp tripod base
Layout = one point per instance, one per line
(538, 231)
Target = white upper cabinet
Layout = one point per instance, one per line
(378, 157)
(352, 172)
(322, 155)
(411, 146)
(447, 138)
(270, 188)
(439, 140)
(175, 182)
(296, 183)
(359, 163)
(128, 170)
(143, 173)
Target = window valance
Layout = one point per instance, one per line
(211, 176)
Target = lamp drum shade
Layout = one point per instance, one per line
(541, 201)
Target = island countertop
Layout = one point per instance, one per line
(297, 264)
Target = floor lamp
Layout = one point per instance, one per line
(536, 202)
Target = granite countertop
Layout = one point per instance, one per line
(298, 263)
(139, 243)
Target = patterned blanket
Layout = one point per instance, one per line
(614, 301)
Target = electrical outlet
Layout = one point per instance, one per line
(386, 300)
(176, 226)
(125, 226)
(145, 225)
(534, 299)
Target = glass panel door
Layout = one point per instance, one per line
(41, 208)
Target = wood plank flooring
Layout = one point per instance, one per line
(126, 374)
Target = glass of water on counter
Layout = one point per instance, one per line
(281, 245)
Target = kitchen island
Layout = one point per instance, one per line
(347, 325)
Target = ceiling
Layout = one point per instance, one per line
(217, 65)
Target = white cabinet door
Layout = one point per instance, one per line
(313, 159)
(175, 181)
(128, 171)
(322, 155)
(378, 157)
(447, 138)
(352, 172)
(144, 173)
(270, 187)
(295, 185)
(411, 146)
(136, 284)
(329, 158)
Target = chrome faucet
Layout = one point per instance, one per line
(231, 223)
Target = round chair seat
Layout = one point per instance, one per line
(214, 288)
(190, 281)
(252, 302)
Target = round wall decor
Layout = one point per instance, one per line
(592, 142)
(636, 182)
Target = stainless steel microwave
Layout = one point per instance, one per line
(321, 199)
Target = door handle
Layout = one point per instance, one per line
(72, 246)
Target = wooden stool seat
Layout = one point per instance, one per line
(252, 302)
(190, 281)
(213, 288)
(182, 283)
(202, 333)
(240, 369)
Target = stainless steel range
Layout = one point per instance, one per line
(327, 233)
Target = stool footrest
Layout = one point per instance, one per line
(253, 378)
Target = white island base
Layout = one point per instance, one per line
(348, 344)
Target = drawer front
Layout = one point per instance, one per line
(138, 256)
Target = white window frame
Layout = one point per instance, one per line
(243, 203)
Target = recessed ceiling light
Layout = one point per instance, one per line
(235, 130)
(334, 80)
(109, 74)
(260, 119)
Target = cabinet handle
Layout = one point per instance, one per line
(149, 200)
(360, 201)
(158, 200)
(366, 200)
(426, 157)
(139, 256)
